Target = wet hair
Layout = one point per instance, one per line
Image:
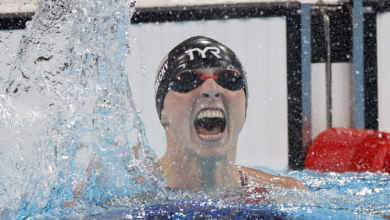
(194, 53)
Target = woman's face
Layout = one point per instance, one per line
(205, 121)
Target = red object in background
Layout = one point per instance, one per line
(349, 150)
(372, 153)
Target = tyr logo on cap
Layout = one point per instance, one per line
(214, 50)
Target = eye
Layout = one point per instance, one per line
(230, 79)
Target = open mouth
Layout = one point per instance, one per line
(210, 124)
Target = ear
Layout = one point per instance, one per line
(164, 119)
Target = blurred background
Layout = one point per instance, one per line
(311, 65)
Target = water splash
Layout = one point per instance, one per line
(71, 138)
(70, 134)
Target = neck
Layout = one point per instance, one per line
(186, 170)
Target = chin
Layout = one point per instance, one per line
(212, 150)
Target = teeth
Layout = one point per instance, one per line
(210, 114)
(211, 137)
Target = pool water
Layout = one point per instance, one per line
(72, 144)
(331, 196)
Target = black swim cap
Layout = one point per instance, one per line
(194, 53)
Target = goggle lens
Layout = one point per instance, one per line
(190, 80)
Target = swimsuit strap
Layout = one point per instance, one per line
(243, 178)
(250, 191)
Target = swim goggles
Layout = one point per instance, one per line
(189, 80)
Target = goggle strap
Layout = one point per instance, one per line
(208, 77)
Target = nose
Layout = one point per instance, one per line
(210, 89)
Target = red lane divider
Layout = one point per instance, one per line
(349, 150)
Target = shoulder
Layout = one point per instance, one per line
(260, 176)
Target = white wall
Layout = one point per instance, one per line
(342, 86)
(383, 47)
(29, 6)
(261, 45)
(341, 96)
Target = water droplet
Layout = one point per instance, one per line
(28, 24)
(49, 47)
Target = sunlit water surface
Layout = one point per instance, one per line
(72, 144)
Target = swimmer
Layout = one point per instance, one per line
(201, 99)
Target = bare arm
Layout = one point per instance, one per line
(287, 182)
